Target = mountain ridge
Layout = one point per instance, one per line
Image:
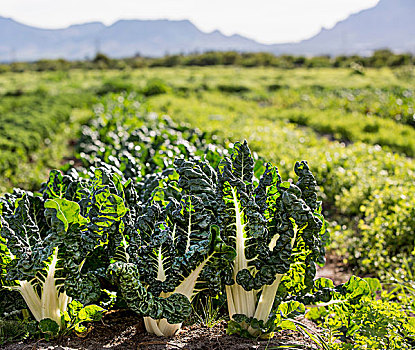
(389, 24)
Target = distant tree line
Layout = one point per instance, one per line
(380, 58)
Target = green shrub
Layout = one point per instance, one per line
(114, 86)
(387, 229)
(379, 320)
(232, 88)
(155, 87)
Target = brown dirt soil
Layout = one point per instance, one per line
(335, 269)
(123, 330)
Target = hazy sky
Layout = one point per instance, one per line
(268, 21)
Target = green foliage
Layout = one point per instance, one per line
(167, 249)
(50, 235)
(51, 65)
(49, 328)
(270, 224)
(114, 86)
(162, 236)
(139, 147)
(387, 228)
(155, 87)
(380, 58)
(31, 122)
(281, 319)
(15, 327)
(351, 173)
(77, 314)
(351, 176)
(393, 102)
(27, 121)
(144, 154)
(376, 321)
(350, 127)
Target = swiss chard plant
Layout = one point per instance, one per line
(274, 226)
(168, 252)
(47, 238)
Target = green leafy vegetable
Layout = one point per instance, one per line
(271, 224)
(171, 253)
(50, 235)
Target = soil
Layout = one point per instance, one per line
(124, 330)
(334, 269)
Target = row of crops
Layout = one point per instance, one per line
(154, 216)
(326, 114)
(376, 108)
(34, 127)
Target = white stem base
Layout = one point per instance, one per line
(161, 328)
(265, 303)
(50, 304)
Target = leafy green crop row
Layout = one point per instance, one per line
(372, 318)
(364, 188)
(34, 128)
(58, 242)
(354, 177)
(392, 102)
(26, 122)
(335, 123)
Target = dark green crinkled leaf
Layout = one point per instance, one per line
(71, 216)
(49, 327)
(276, 227)
(175, 308)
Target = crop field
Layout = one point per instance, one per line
(200, 205)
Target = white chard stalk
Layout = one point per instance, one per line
(239, 300)
(51, 303)
(187, 287)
